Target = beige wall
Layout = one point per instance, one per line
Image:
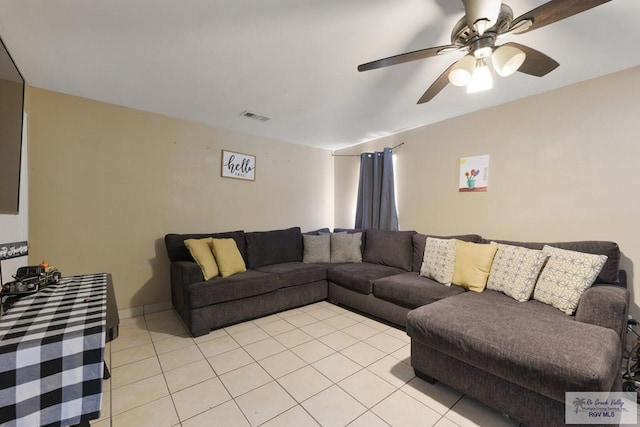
(564, 165)
(107, 183)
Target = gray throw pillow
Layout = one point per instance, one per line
(317, 248)
(346, 247)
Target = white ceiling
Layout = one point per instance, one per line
(292, 60)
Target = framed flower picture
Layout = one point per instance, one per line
(474, 174)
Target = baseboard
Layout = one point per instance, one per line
(154, 308)
(126, 313)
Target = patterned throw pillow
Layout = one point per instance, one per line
(515, 270)
(317, 248)
(346, 247)
(566, 276)
(439, 260)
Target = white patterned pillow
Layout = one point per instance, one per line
(515, 270)
(439, 260)
(566, 276)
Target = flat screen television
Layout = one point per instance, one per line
(11, 113)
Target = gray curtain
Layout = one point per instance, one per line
(376, 195)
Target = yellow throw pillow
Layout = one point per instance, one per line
(473, 263)
(228, 257)
(200, 250)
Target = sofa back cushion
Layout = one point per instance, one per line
(177, 250)
(348, 230)
(317, 232)
(392, 248)
(274, 247)
(420, 240)
(608, 274)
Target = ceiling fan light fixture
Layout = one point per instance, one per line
(460, 74)
(481, 79)
(507, 60)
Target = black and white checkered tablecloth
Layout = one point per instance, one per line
(51, 354)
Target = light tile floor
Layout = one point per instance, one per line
(318, 365)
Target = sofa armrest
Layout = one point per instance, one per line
(183, 273)
(607, 306)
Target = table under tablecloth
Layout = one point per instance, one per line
(51, 354)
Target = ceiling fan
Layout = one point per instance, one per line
(485, 22)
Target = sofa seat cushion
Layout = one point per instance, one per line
(412, 290)
(530, 344)
(296, 273)
(359, 277)
(238, 286)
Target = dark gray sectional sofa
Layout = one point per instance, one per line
(517, 357)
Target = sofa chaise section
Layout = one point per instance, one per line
(521, 357)
(520, 342)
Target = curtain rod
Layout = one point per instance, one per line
(358, 155)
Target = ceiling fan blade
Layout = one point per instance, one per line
(436, 86)
(554, 11)
(408, 57)
(535, 63)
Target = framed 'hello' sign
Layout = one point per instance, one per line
(238, 165)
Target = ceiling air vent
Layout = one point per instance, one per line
(255, 116)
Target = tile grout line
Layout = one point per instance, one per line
(155, 350)
(232, 399)
(449, 409)
(359, 320)
(276, 380)
(112, 415)
(333, 383)
(157, 357)
(273, 379)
